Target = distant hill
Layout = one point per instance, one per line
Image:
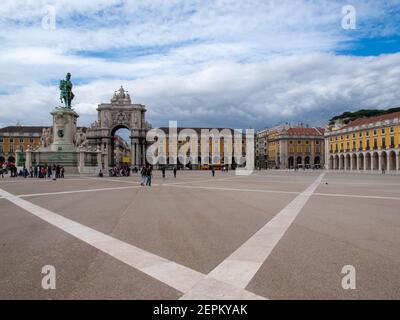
(351, 116)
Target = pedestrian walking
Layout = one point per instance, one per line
(174, 172)
(25, 172)
(49, 172)
(62, 172)
(42, 172)
(163, 172)
(213, 171)
(149, 174)
(143, 174)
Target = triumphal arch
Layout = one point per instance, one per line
(119, 113)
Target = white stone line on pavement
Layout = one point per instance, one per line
(286, 192)
(355, 196)
(36, 180)
(173, 274)
(26, 195)
(114, 180)
(372, 184)
(200, 181)
(235, 189)
(168, 272)
(273, 181)
(240, 267)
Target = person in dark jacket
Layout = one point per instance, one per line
(148, 175)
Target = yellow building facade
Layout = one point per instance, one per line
(17, 138)
(365, 144)
(295, 147)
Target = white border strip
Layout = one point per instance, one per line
(240, 267)
(173, 274)
(170, 273)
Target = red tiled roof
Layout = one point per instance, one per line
(365, 120)
(21, 129)
(305, 131)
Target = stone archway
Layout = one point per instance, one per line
(368, 161)
(375, 161)
(307, 161)
(361, 162)
(116, 146)
(342, 160)
(120, 113)
(384, 161)
(291, 162)
(317, 161)
(299, 161)
(347, 162)
(392, 161)
(353, 162)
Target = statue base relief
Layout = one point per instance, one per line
(64, 129)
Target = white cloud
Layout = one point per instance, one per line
(309, 88)
(236, 63)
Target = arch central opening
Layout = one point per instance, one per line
(120, 147)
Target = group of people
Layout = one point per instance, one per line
(37, 171)
(12, 169)
(120, 171)
(47, 171)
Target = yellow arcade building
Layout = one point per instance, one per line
(365, 144)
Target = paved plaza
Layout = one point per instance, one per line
(270, 235)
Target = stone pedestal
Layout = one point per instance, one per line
(64, 129)
(28, 159)
(81, 161)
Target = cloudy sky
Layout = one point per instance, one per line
(222, 63)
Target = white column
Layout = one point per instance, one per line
(351, 162)
(137, 153)
(365, 162)
(99, 164)
(133, 153)
(143, 154)
(81, 161)
(28, 159)
(105, 156)
(380, 161)
(326, 147)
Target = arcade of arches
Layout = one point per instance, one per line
(377, 160)
(365, 144)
